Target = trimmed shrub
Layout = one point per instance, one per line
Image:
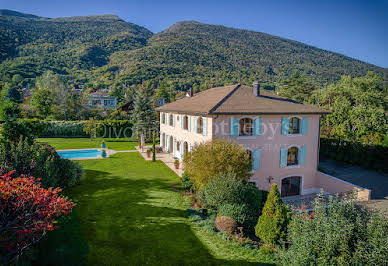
(246, 199)
(207, 160)
(236, 211)
(34, 159)
(338, 233)
(272, 224)
(225, 224)
(186, 182)
(106, 128)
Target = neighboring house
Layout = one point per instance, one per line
(280, 135)
(100, 100)
(130, 105)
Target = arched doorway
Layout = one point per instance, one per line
(291, 186)
(171, 148)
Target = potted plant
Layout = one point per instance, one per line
(149, 153)
(103, 145)
(176, 164)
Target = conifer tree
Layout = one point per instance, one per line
(144, 118)
(272, 224)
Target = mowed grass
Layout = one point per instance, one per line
(84, 143)
(130, 212)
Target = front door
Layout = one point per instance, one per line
(290, 186)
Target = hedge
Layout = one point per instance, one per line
(44, 128)
(372, 157)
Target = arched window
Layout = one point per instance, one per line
(246, 127)
(200, 125)
(171, 120)
(291, 186)
(250, 156)
(186, 122)
(292, 156)
(294, 125)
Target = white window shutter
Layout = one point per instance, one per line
(204, 129)
(189, 123)
(195, 124)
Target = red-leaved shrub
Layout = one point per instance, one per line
(27, 212)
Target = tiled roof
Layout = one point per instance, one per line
(238, 99)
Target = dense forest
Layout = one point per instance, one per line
(30, 45)
(105, 51)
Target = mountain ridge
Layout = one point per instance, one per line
(106, 51)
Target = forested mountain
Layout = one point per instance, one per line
(29, 45)
(193, 53)
(105, 51)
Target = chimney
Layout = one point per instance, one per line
(256, 89)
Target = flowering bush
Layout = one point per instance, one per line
(27, 212)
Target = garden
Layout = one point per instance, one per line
(125, 210)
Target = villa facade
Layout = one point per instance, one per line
(280, 135)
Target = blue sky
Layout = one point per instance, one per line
(355, 28)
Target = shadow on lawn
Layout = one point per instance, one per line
(128, 221)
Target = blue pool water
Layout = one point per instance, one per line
(79, 154)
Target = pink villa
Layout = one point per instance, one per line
(281, 135)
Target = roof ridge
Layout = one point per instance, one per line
(224, 99)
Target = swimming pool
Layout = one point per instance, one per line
(78, 154)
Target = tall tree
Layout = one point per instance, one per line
(144, 117)
(52, 95)
(298, 87)
(358, 109)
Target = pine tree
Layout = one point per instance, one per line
(144, 118)
(272, 224)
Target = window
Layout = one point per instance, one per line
(185, 148)
(292, 156)
(290, 186)
(250, 156)
(162, 140)
(185, 122)
(294, 125)
(171, 120)
(200, 125)
(178, 146)
(246, 127)
(163, 118)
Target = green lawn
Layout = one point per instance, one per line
(81, 143)
(129, 212)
